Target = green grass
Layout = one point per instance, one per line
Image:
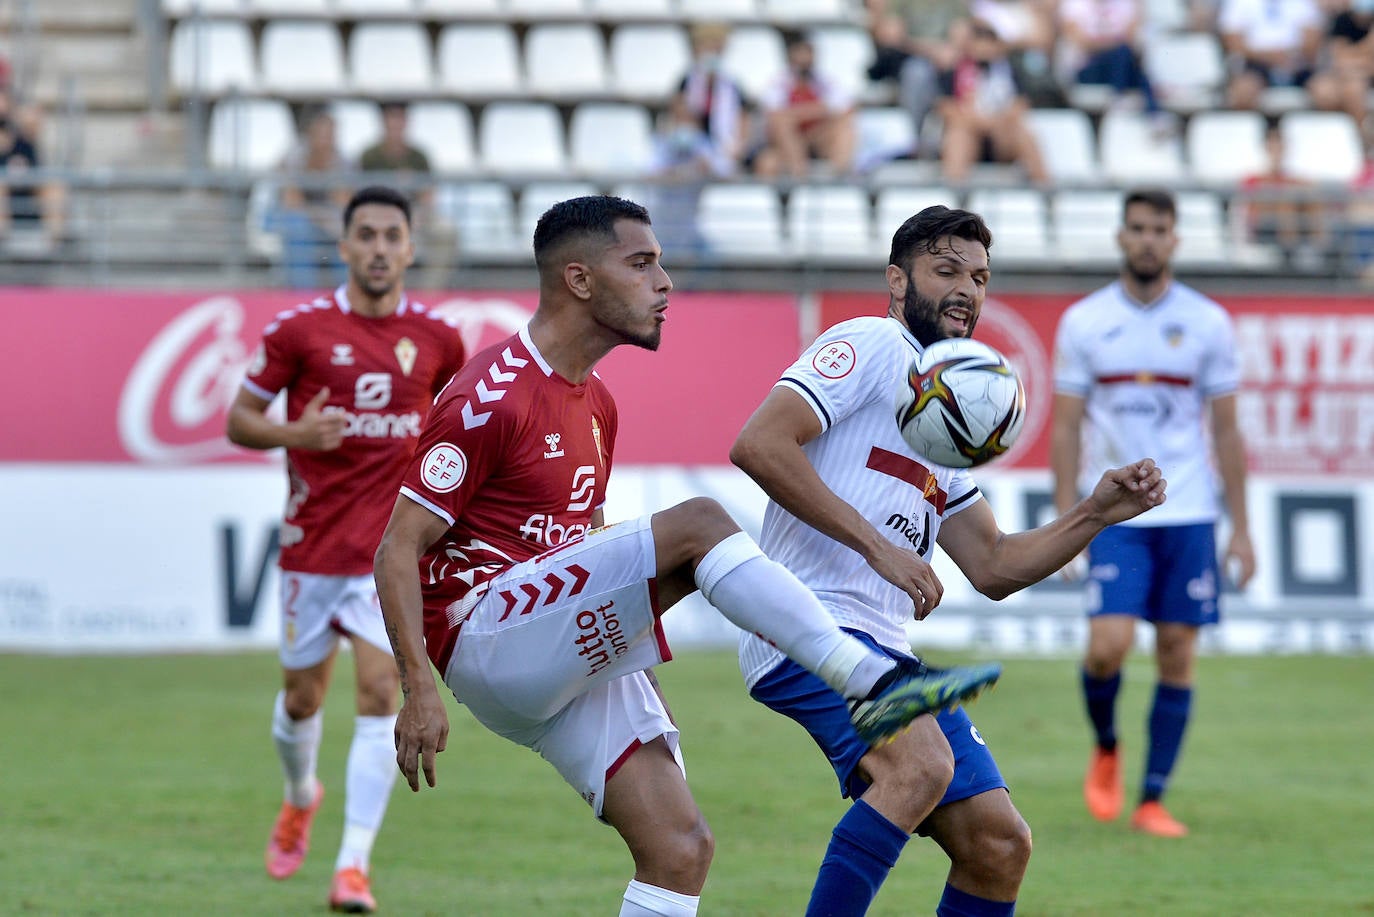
(147, 786)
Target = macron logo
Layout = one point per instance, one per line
(486, 394)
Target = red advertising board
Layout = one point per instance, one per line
(1306, 404)
(99, 376)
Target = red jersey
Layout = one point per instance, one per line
(515, 459)
(382, 374)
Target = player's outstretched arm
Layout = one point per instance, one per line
(316, 429)
(768, 449)
(422, 724)
(998, 564)
(1230, 452)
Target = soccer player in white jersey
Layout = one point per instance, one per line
(856, 514)
(1147, 364)
(360, 369)
(497, 566)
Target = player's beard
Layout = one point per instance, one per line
(922, 315)
(1145, 276)
(375, 289)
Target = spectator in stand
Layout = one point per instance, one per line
(1345, 82)
(808, 117)
(1280, 209)
(685, 159)
(984, 112)
(393, 152)
(1099, 44)
(915, 41)
(713, 98)
(1269, 43)
(312, 194)
(1027, 28)
(36, 206)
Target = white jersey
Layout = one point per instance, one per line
(849, 377)
(1146, 373)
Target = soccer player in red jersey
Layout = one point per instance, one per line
(360, 369)
(543, 621)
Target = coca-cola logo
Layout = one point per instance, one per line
(175, 399)
(1001, 327)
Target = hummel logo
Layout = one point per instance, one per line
(551, 440)
(343, 355)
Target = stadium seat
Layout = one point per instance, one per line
(538, 9)
(268, 8)
(885, 133)
(843, 53)
(175, 9)
(1187, 69)
(458, 9)
(831, 221)
(1224, 147)
(896, 204)
(619, 10)
(537, 197)
(477, 60)
(1019, 221)
(632, 45)
(358, 125)
(1132, 152)
(250, 134)
(302, 58)
(1201, 229)
(522, 137)
(1085, 224)
(804, 11)
(391, 58)
(1166, 15)
(565, 60)
(606, 138)
(484, 215)
(754, 56)
(376, 7)
(739, 10)
(741, 220)
(211, 56)
(1321, 146)
(1067, 143)
(262, 197)
(443, 130)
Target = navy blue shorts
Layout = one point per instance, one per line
(1165, 573)
(794, 692)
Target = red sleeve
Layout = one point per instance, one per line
(455, 355)
(459, 448)
(277, 362)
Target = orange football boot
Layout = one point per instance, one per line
(1102, 789)
(351, 892)
(1153, 818)
(290, 839)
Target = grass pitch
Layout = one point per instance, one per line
(148, 785)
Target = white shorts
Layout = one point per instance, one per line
(317, 609)
(553, 655)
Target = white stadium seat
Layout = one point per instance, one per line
(1224, 147)
(522, 137)
(444, 131)
(754, 56)
(843, 53)
(301, 58)
(1085, 226)
(885, 133)
(898, 203)
(291, 7)
(458, 9)
(617, 10)
(648, 61)
(719, 9)
(1201, 228)
(536, 9)
(211, 56)
(1132, 151)
(250, 134)
(1186, 70)
(798, 11)
(357, 124)
(537, 197)
(1067, 144)
(829, 221)
(1321, 146)
(1019, 220)
(391, 58)
(741, 220)
(484, 214)
(565, 60)
(178, 8)
(606, 138)
(479, 60)
(376, 7)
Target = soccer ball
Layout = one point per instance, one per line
(960, 403)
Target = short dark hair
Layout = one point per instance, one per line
(793, 37)
(923, 231)
(579, 218)
(395, 105)
(1155, 198)
(376, 194)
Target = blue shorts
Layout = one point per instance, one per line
(793, 691)
(1165, 573)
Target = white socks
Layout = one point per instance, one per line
(298, 746)
(371, 773)
(761, 595)
(643, 900)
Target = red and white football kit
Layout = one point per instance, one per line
(382, 374)
(540, 626)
